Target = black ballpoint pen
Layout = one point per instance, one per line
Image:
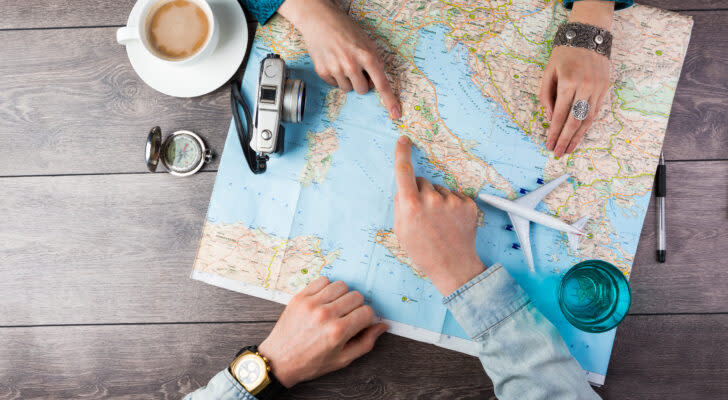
(660, 192)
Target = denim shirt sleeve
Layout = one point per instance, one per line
(222, 386)
(521, 351)
(262, 10)
(618, 4)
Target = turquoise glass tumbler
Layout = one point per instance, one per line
(594, 296)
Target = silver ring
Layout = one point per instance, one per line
(580, 109)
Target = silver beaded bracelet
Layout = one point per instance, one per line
(575, 34)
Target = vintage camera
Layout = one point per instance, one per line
(278, 98)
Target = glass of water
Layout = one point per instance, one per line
(594, 296)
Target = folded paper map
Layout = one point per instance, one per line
(467, 74)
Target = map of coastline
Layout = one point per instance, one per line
(466, 74)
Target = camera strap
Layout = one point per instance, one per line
(257, 163)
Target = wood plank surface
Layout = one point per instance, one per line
(669, 357)
(153, 361)
(94, 268)
(119, 248)
(76, 13)
(64, 90)
(71, 103)
(109, 249)
(650, 361)
(695, 277)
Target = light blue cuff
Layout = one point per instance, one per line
(486, 300)
(222, 386)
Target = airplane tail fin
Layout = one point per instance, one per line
(573, 237)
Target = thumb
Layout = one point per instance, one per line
(362, 343)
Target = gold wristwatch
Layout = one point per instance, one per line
(252, 370)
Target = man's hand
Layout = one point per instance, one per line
(575, 74)
(342, 53)
(324, 328)
(436, 227)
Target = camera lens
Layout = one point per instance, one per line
(294, 100)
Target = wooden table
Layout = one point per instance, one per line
(95, 252)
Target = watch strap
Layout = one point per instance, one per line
(274, 387)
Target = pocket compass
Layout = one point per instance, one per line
(182, 153)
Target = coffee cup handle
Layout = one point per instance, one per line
(126, 34)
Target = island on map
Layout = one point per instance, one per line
(389, 240)
(250, 255)
(321, 147)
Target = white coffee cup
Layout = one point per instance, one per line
(137, 30)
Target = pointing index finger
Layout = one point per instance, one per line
(403, 172)
(376, 73)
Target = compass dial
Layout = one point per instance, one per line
(183, 153)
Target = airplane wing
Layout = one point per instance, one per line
(532, 199)
(522, 227)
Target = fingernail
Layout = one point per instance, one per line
(403, 139)
(548, 113)
(395, 112)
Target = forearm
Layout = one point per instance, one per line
(521, 351)
(221, 387)
(307, 15)
(593, 12)
(617, 4)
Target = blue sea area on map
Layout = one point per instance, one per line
(354, 201)
(476, 118)
(627, 223)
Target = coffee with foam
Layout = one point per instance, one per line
(177, 29)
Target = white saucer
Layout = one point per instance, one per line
(203, 76)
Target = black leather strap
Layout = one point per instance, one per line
(273, 389)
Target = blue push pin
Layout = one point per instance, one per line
(523, 191)
(539, 181)
(509, 227)
(516, 246)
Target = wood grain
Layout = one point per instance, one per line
(71, 103)
(119, 248)
(669, 357)
(698, 125)
(167, 361)
(694, 277)
(110, 249)
(651, 360)
(65, 89)
(686, 4)
(77, 13)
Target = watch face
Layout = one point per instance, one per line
(250, 371)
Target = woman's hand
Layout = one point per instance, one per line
(575, 74)
(342, 53)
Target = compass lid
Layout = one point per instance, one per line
(154, 144)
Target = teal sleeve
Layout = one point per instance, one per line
(221, 387)
(261, 10)
(521, 351)
(618, 4)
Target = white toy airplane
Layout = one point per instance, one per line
(522, 211)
